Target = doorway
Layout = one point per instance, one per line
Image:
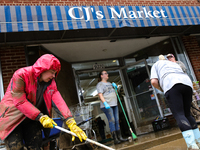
(135, 91)
(141, 97)
(86, 87)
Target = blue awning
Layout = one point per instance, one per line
(54, 18)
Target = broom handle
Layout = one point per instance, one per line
(89, 140)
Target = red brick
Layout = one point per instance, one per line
(193, 51)
(116, 2)
(5, 58)
(12, 58)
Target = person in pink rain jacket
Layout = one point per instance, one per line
(26, 108)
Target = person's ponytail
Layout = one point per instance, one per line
(99, 76)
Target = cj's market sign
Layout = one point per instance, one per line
(58, 18)
(85, 13)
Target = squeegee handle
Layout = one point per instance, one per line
(122, 108)
(89, 140)
(133, 135)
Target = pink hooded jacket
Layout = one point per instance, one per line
(20, 98)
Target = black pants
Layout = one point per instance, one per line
(179, 98)
(102, 134)
(28, 133)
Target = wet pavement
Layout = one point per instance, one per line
(173, 145)
(165, 139)
(169, 139)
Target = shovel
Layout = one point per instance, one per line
(89, 140)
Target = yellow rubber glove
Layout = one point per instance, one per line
(47, 122)
(71, 123)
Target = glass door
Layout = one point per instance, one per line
(87, 81)
(141, 94)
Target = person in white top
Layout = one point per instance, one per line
(178, 90)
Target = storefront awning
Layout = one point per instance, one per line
(55, 18)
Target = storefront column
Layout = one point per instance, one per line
(66, 84)
(193, 50)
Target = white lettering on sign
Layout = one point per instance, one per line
(87, 13)
(120, 14)
(99, 15)
(71, 14)
(98, 66)
(147, 13)
(132, 14)
(122, 11)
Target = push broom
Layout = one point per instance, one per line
(133, 135)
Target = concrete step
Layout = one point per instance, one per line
(152, 143)
(173, 145)
(149, 140)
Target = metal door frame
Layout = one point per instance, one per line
(77, 85)
(125, 86)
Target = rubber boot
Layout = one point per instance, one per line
(190, 140)
(197, 136)
(114, 135)
(120, 136)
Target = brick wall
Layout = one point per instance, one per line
(12, 58)
(102, 2)
(193, 49)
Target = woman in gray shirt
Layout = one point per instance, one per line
(109, 106)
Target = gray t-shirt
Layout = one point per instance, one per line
(182, 66)
(169, 73)
(108, 93)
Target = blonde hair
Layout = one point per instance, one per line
(161, 57)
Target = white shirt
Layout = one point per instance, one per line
(169, 73)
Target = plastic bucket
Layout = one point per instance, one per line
(54, 131)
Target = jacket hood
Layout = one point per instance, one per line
(46, 62)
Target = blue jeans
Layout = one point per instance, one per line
(112, 115)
